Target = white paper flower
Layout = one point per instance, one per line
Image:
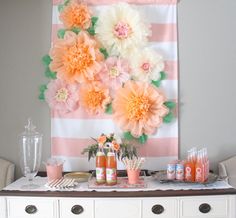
(146, 65)
(121, 29)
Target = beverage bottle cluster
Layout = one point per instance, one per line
(106, 168)
(194, 169)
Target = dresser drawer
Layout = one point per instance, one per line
(204, 207)
(117, 208)
(159, 207)
(72, 207)
(31, 207)
(2, 207)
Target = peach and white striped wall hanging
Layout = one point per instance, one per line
(71, 132)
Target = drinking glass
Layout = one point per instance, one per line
(30, 154)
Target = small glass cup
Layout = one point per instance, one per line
(133, 176)
(54, 168)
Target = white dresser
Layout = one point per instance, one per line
(150, 204)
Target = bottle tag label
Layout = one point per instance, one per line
(100, 174)
(111, 175)
(188, 172)
(199, 175)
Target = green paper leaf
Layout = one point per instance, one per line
(143, 138)
(104, 52)
(76, 30)
(170, 104)
(89, 155)
(109, 109)
(91, 30)
(168, 118)
(42, 88)
(128, 136)
(66, 2)
(41, 96)
(60, 8)
(163, 75)
(94, 20)
(61, 33)
(46, 59)
(156, 83)
(49, 74)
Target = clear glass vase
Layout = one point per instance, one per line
(30, 143)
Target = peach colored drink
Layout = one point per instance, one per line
(100, 167)
(111, 166)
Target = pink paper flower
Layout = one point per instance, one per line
(115, 72)
(62, 96)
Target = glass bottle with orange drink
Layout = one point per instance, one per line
(100, 167)
(111, 168)
(199, 168)
(190, 167)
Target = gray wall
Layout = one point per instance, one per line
(207, 52)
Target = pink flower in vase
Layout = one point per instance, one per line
(62, 96)
(115, 72)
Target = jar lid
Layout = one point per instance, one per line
(30, 130)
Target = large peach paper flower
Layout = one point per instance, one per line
(139, 107)
(94, 97)
(76, 57)
(121, 29)
(76, 14)
(62, 96)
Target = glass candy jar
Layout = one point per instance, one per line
(30, 143)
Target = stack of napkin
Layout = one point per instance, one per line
(63, 183)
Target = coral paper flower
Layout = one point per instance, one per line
(94, 97)
(121, 29)
(102, 139)
(115, 72)
(76, 57)
(146, 65)
(139, 108)
(62, 96)
(77, 15)
(115, 146)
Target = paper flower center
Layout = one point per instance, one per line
(62, 95)
(94, 98)
(146, 67)
(137, 107)
(77, 58)
(114, 72)
(122, 30)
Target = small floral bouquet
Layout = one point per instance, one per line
(111, 142)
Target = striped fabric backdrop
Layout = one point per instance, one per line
(71, 132)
